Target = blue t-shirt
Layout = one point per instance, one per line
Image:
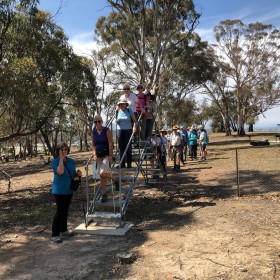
(124, 119)
(62, 183)
(193, 138)
(202, 137)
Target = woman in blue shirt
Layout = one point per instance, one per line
(193, 143)
(126, 121)
(64, 169)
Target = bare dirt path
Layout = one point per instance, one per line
(183, 229)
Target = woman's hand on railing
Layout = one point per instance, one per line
(134, 128)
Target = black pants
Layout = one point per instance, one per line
(124, 136)
(193, 151)
(60, 218)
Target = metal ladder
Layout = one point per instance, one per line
(113, 211)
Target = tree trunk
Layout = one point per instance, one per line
(47, 142)
(226, 125)
(251, 128)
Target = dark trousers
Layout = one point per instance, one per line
(149, 128)
(193, 151)
(124, 136)
(60, 218)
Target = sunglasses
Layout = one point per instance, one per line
(97, 121)
(139, 88)
(126, 89)
(64, 150)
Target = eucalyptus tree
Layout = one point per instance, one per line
(40, 75)
(185, 68)
(251, 56)
(141, 32)
(222, 99)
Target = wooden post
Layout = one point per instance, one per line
(237, 173)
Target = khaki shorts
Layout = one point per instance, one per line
(103, 164)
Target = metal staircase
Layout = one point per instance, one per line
(112, 213)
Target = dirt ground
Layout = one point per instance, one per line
(184, 228)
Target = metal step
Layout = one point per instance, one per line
(116, 169)
(111, 203)
(104, 215)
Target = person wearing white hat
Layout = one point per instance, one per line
(126, 121)
(176, 144)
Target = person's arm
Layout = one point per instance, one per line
(134, 121)
(60, 167)
(110, 141)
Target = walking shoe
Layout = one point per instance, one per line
(117, 185)
(56, 239)
(104, 197)
(155, 175)
(66, 234)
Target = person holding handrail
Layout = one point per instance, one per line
(126, 121)
(102, 149)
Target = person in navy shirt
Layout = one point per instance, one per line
(102, 148)
(64, 169)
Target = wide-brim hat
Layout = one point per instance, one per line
(174, 127)
(122, 100)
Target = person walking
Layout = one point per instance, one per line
(203, 142)
(102, 149)
(176, 144)
(193, 137)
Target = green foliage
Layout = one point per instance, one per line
(141, 32)
(249, 56)
(41, 77)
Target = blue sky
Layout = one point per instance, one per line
(78, 18)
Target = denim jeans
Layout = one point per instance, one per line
(60, 218)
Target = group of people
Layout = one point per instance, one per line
(181, 143)
(132, 109)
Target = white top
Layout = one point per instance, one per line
(176, 138)
(132, 100)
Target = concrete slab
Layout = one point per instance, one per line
(95, 229)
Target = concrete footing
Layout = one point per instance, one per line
(96, 229)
